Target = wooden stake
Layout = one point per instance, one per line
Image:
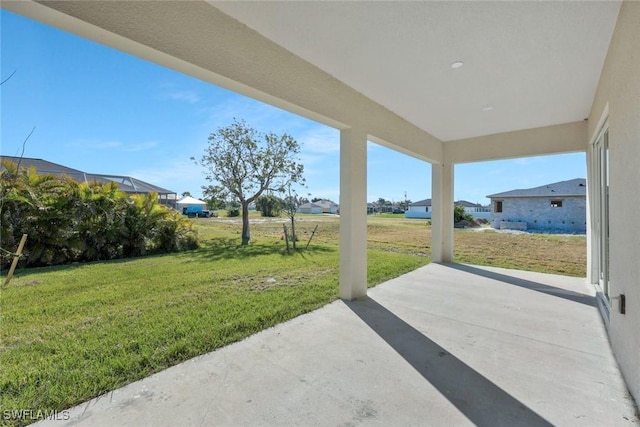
(312, 233)
(286, 236)
(16, 257)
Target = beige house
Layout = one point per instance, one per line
(310, 208)
(445, 82)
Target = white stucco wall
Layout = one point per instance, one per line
(418, 212)
(310, 210)
(619, 91)
(539, 215)
(481, 215)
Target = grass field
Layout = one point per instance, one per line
(74, 332)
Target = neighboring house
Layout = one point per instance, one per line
(371, 208)
(127, 184)
(560, 206)
(310, 208)
(419, 209)
(327, 206)
(476, 210)
(189, 205)
(423, 209)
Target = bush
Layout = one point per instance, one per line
(460, 215)
(269, 206)
(233, 209)
(67, 221)
(462, 219)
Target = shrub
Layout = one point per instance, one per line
(67, 221)
(460, 215)
(269, 206)
(233, 209)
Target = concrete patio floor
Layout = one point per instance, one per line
(445, 345)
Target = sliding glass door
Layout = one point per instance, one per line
(600, 211)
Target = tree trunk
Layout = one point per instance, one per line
(293, 232)
(245, 223)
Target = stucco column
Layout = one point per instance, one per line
(442, 215)
(592, 253)
(353, 214)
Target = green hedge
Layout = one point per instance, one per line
(67, 221)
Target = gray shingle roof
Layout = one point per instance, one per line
(425, 202)
(326, 204)
(573, 187)
(42, 166)
(127, 184)
(466, 204)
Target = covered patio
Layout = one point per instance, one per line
(447, 83)
(445, 345)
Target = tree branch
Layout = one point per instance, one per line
(5, 80)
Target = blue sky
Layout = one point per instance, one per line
(102, 111)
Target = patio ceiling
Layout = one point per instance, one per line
(381, 67)
(535, 63)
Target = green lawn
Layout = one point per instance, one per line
(74, 332)
(70, 333)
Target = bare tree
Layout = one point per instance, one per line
(291, 204)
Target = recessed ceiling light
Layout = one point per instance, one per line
(488, 108)
(457, 64)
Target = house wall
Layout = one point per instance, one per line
(418, 212)
(190, 207)
(539, 215)
(478, 213)
(619, 91)
(310, 210)
(481, 215)
(425, 212)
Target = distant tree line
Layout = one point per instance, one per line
(67, 221)
(387, 206)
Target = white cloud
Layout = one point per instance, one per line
(114, 146)
(175, 91)
(258, 115)
(321, 139)
(523, 161)
(142, 146)
(106, 145)
(178, 175)
(330, 193)
(184, 95)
